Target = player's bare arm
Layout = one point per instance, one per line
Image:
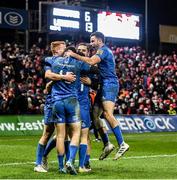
(49, 86)
(90, 60)
(86, 80)
(56, 77)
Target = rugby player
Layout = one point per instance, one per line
(57, 49)
(66, 108)
(109, 87)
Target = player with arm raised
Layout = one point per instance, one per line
(84, 102)
(109, 86)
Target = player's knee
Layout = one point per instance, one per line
(46, 135)
(107, 114)
(83, 140)
(61, 136)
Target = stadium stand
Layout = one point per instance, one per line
(148, 82)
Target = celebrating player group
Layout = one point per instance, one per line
(70, 74)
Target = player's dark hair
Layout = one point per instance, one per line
(73, 49)
(84, 44)
(98, 35)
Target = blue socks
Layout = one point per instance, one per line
(60, 161)
(73, 151)
(87, 159)
(67, 151)
(104, 136)
(50, 145)
(82, 154)
(117, 132)
(39, 153)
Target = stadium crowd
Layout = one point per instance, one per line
(148, 82)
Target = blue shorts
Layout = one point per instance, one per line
(85, 115)
(48, 116)
(108, 92)
(66, 111)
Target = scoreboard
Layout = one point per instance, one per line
(74, 19)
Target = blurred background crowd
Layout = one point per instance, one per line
(148, 82)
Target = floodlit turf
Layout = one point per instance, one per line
(151, 156)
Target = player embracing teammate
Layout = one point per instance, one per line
(66, 110)
(109, 87)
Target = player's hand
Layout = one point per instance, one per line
(48, 86)
(71, 54)
(69, 76)
(86, 80)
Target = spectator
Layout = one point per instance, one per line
(148, 82)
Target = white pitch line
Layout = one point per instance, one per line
(94, 159)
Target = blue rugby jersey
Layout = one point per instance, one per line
(83, 92)
(48, 66)
(63, 89)
(107, 65)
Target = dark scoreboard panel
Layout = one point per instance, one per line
(67, 19)
(76, 19)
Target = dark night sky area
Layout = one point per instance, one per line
(159, 12)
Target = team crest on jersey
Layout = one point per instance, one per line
(66, 61)
(99, 51)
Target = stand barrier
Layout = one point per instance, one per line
(33, 124)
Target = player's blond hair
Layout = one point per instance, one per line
(55, 44)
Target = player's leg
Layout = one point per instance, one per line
(50, 145)
(108, 102)
(73, 148)
(60, 138)
(47, 132)
(87, 158)
(86, 122)
(83, 149)
(97, 111)
(67, 143)
(59, 112)
(93, 127)
(108, 146)
(73, 120)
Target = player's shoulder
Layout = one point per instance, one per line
(51, 61)
(48, 58)
(102, 50)
(106, 48)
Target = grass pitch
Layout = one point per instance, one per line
(151, 156)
